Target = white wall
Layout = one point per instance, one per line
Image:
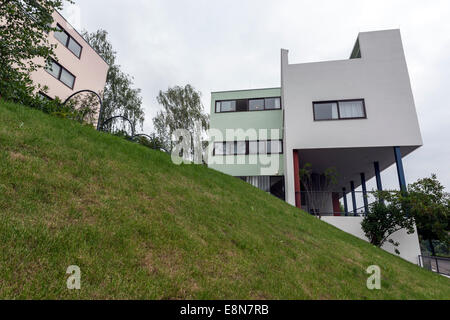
(409, 243)
(380, 77)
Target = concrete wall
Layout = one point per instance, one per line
(90, 69)
(409, 243)
(247, 165)
(380, 77)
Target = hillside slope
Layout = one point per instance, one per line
(141, 227)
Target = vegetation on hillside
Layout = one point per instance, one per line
(24, 49)
(120, 98)
(182, 109)
(24, 46)
(139, 226)
(430, 206)
(426, 206)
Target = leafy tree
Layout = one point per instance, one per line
(152, 142)
(119, 96)
(85, 108)
(387, 215)
(182, 109)
(318, 186)
(24, 46)
(430, 206)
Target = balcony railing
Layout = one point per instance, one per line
(328, 203)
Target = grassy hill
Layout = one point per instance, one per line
(141, 227)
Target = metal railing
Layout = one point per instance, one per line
(360, 209)
(439, 265)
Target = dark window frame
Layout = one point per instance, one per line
(268, 153)
(60, 72)
(248, 102)
(339, 109)
(44, 95)
(68, 40)
(247, 148)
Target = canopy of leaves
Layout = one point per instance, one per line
(151, 141)
(387, 215)
(24, 25)
(182, 109)
(119, 96)
(430, 206)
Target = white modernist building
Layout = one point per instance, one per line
(356, 115)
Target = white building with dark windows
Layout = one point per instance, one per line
(356, 115)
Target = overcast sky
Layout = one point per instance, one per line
(225, 45)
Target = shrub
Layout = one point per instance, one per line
(387, 215)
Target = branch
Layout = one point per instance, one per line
(385, 238)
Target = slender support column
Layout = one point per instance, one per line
(352, 187)
(364, 190)
(298, 198)
(400, 172)
(376, 166)
(344, 195)
(336, 204)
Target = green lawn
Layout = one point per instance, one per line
(141, 227)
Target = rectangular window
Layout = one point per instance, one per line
(218, 148)
(248, 147)
(74, 47)
(61, 73)
(262, 147)
(227, 106)
(241, 147)
(253, 147)
(325, 111)
(338, 110)
(351, 109)
(257, 104)
(54, 69)
(69, 42)
(272, 103)
(67, 78)
(248, 105)
(61, 36)
(242, 105)
(275, 147)
(229, 145)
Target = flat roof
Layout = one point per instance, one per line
(246, 90)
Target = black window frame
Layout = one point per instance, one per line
(247, 148)
(339, 109)
(248, 103)
(60, 72)
(69, 37)
(44, 95)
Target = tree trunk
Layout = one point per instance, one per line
(433, 253)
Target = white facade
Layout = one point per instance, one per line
(380, 77)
